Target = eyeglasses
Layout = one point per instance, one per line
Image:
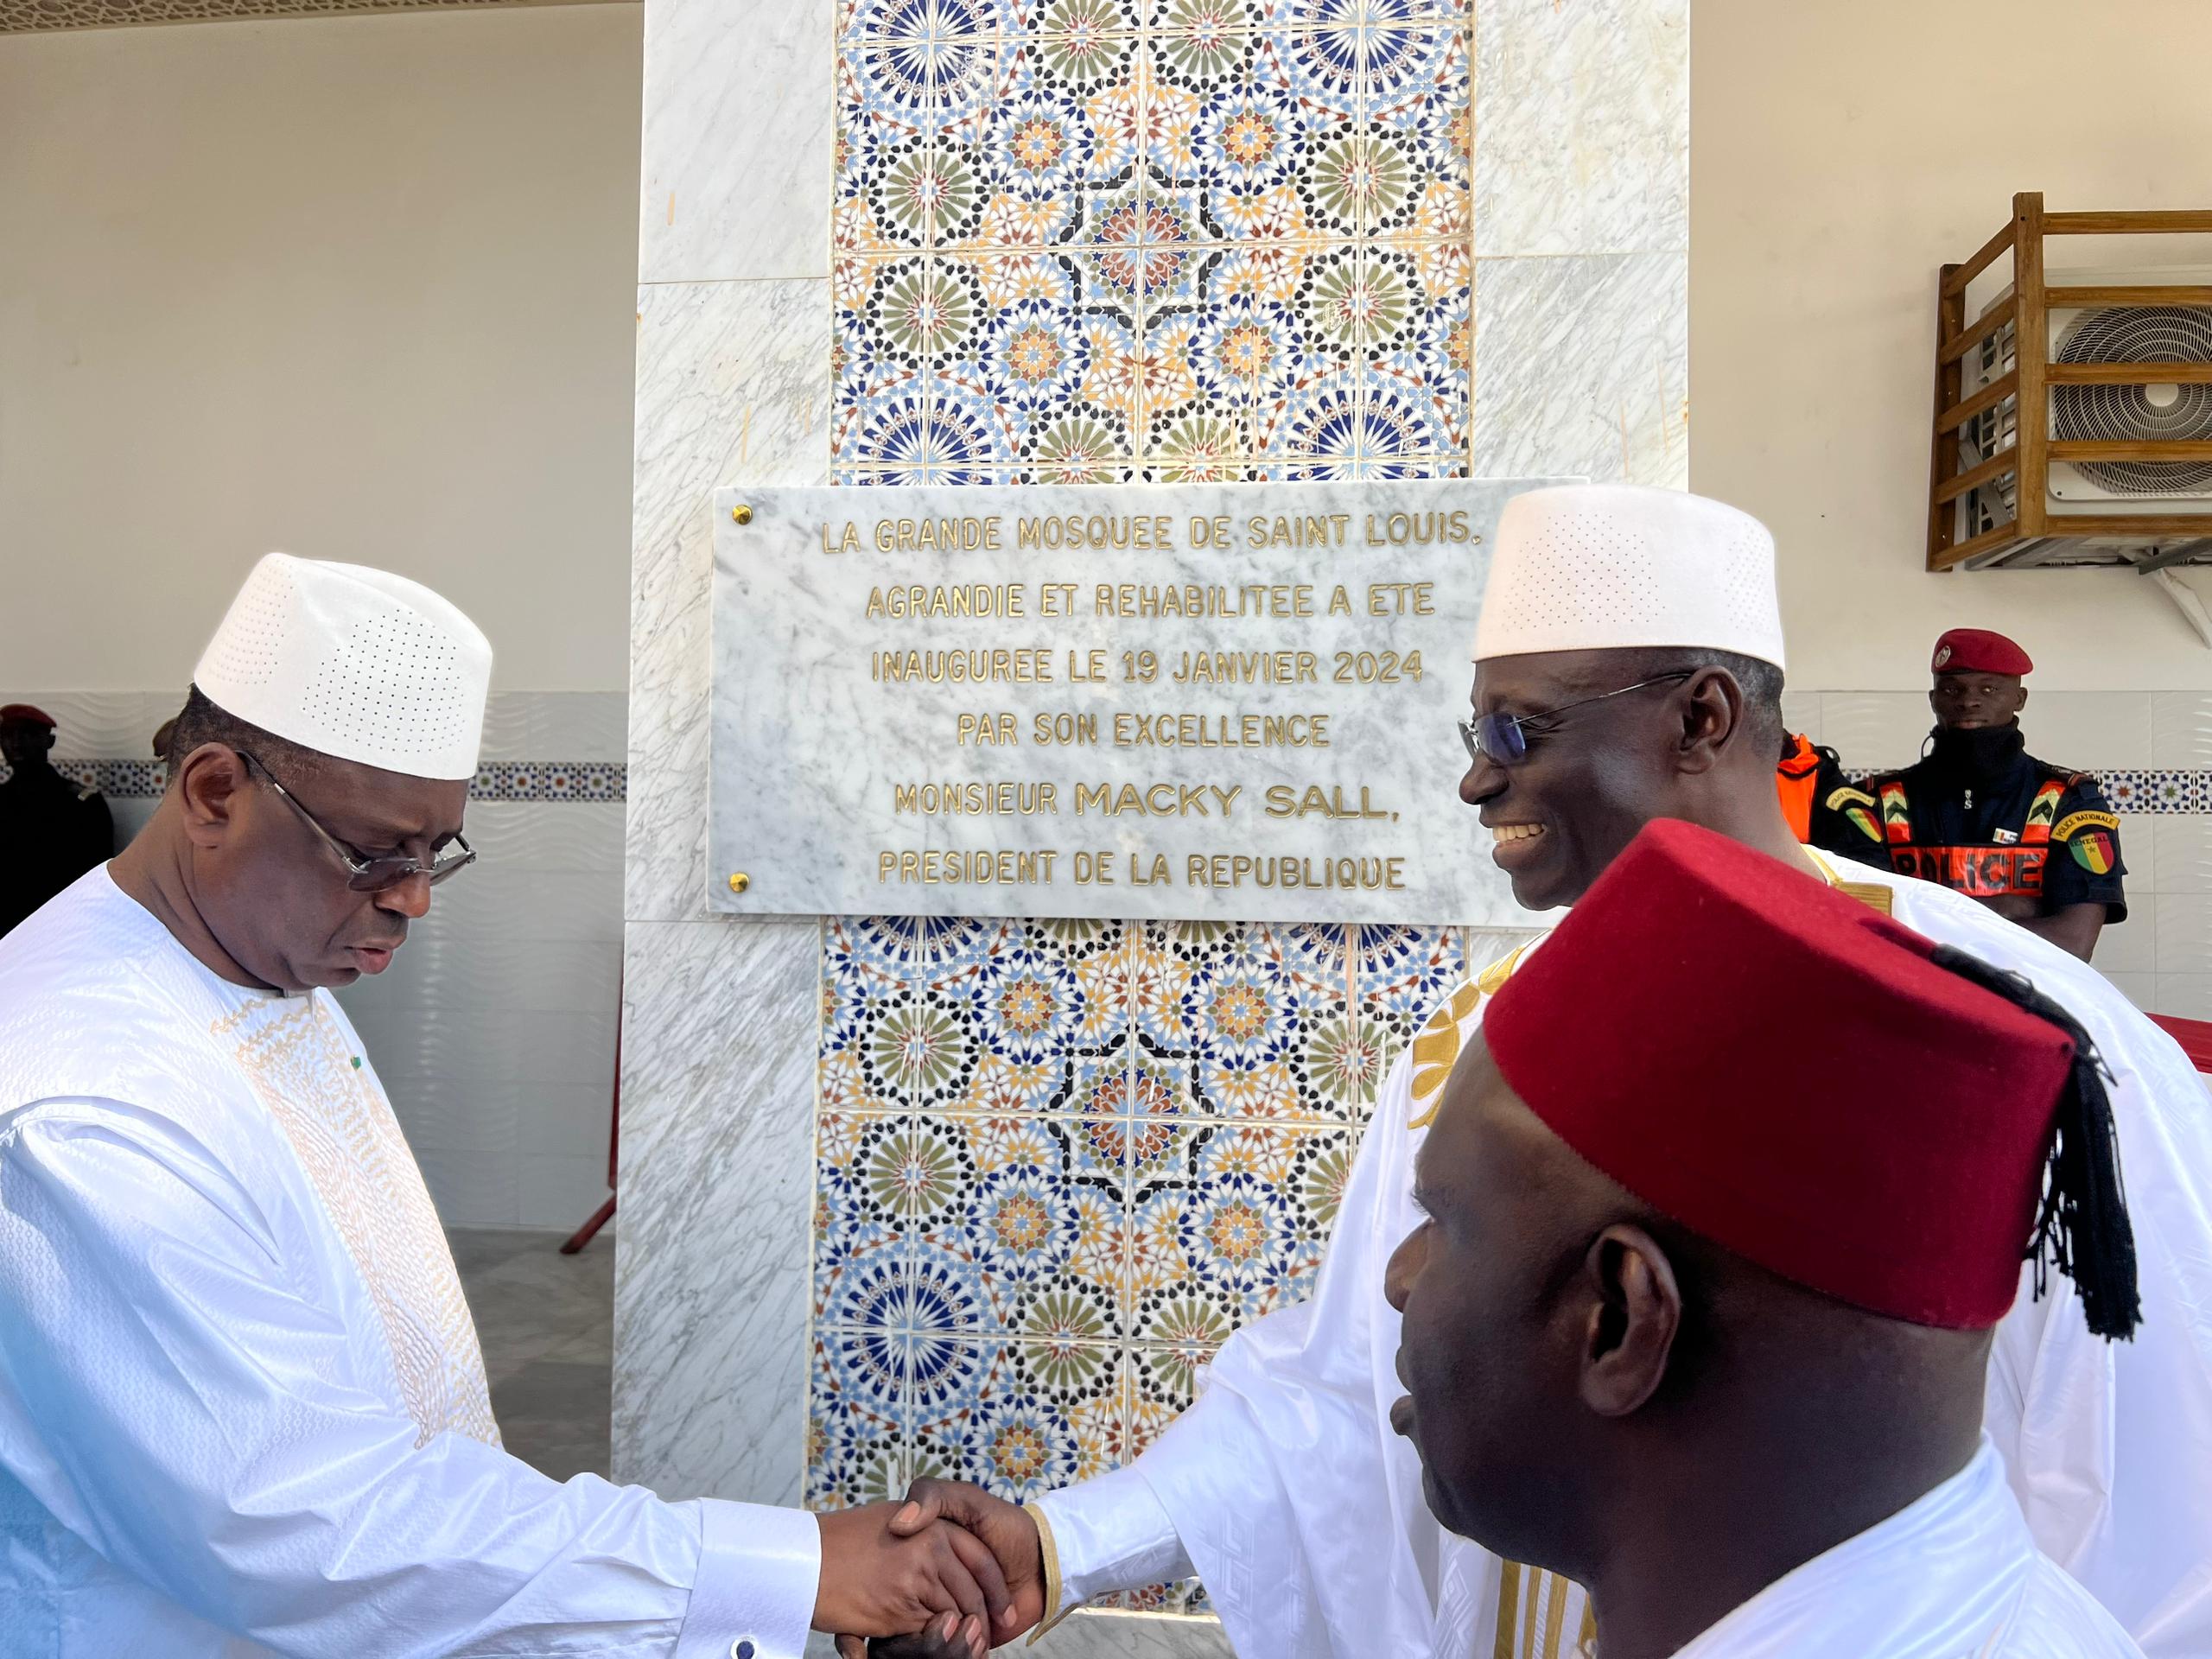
(370, 875)
(1502, 739)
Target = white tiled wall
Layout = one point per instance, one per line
(494, 1028)
(2161, 956)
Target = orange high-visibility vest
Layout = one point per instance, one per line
(1797, 780)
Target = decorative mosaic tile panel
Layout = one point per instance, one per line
(1058, 1163)
(1083, 240)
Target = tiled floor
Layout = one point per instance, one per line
(547, 1324)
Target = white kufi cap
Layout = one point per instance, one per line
(1603, 567)
(354, 663)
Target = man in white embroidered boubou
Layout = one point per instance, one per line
(1629, 667)
(242, 1406)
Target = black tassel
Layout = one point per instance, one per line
(2081, 1228)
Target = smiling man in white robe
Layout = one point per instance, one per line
(242, 1408)
(1629, 667)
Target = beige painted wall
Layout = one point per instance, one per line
(357, 288)
(1839, 153)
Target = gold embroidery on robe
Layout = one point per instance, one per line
(1508, 1610)
(1873, 894)
(1436, 1048)
(1532, 1613)
(1876, 896)
(341, 1129)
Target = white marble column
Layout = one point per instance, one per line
(719, 1018)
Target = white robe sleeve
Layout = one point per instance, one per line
(1300, 1508)
(178, 1402)
(2108, 1446)
(1110, 1534)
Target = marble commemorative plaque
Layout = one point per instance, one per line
(1218, 702)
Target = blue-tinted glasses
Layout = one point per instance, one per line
(1502, 739)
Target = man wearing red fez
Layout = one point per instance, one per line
(1722, 1362)
(2036, 842)
(1628, 668)
(53, 828)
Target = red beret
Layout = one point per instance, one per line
(1977, 651)
(13, 712)
(1790, 1077)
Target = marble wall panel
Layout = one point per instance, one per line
(800, 718)
(736, 162)
(1582, 367)
(711, 1274)
(1583, 110)
(730, 389)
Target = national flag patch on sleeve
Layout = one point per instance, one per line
(2094, 851)
(1858, 810)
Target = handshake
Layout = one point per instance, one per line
(949, 1574)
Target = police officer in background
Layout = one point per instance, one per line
(2035, 842)
(52, 827)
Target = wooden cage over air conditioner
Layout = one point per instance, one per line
(2073, 423)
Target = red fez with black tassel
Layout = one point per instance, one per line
(1819, 1089)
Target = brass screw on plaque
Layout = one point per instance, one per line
(742, 513)
(738, 882)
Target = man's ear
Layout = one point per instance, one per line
(208, 786)
(1713, 714)
(1636, 1311)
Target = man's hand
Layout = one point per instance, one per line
(1012, 1540)
(943, 1640)
(879, 1581)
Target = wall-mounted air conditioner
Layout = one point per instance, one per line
(2074, 412)
(2149, 411)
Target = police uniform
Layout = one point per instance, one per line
(1982, 816)
(52, 830)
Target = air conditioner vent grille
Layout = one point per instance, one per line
(2137, 333)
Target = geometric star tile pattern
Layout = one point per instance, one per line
(1057, 1163)
(1083, 240)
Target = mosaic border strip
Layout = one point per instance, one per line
(495, 780)
(2158, 790)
